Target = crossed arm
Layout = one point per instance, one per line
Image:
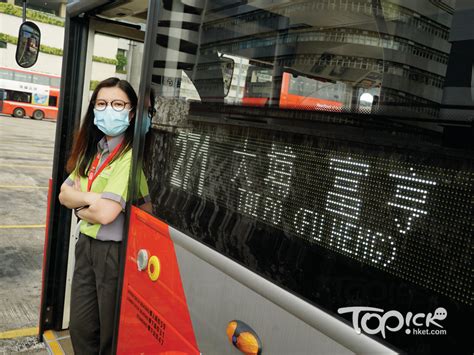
(96, 210)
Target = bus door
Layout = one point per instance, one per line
(104, 39)
(90, 57)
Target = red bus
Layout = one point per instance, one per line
(26, 93)
(297, 91)
(309, 229)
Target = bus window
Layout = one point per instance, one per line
(18, 96)
(24, 77)
(40, 79)
(53, 101)
(259, 82)
(6, 74)
(56, 82)
(258, 86)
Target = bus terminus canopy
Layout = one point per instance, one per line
(310, 167)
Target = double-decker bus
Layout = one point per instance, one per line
(27, 93)
(296, 91)
(285, 228)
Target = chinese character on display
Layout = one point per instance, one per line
(248, 200)
(410, 199)
(344, 200)
(278, 181)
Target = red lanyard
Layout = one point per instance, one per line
(92, 174)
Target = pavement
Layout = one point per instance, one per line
(26, 154)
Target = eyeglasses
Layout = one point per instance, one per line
(117, 105)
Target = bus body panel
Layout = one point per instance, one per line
(279, 331)
(10, 106)
(180, 310)
(154, 316)
(254, 101)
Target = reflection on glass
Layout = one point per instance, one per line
(144, 201)
(346, 129)
(322, 55)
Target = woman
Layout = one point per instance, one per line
(97, 189)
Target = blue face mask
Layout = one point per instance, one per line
(111, 122)
(146, 122)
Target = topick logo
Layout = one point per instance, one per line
(362, 315)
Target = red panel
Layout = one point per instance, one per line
(154, 317)
(291, 101)
(254, 101)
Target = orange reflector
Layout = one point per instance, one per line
(244, 338)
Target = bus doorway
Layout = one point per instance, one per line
(99, 49)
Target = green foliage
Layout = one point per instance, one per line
(104, 60)
(33, 15)
(121, 63)
(51, 50)
(7, 38)
(93, 84)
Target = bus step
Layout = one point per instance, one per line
(58, 342)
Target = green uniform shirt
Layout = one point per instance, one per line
(112, 183)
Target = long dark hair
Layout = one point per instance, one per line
(85, 141)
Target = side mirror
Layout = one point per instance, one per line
(227, 65)
(28, 46)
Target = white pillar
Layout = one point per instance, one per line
(62, 10)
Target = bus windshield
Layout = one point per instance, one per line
(259, 82)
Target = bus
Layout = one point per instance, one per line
(296, 91)
(284, 228)
(27, 93)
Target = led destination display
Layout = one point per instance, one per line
(375, 205)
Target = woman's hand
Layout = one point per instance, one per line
(89, 197)
(102, 211)
(71, 197)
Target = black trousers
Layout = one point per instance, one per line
(93, 295)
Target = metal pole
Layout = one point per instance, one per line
(24, 10)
